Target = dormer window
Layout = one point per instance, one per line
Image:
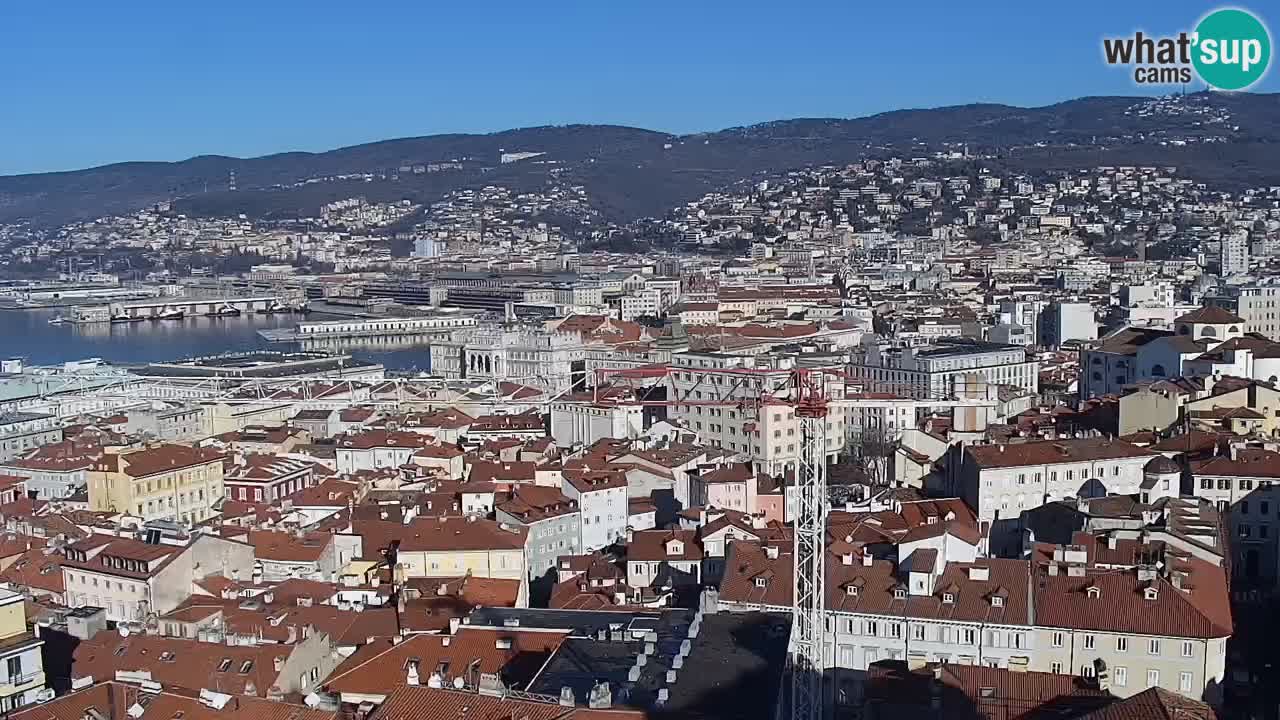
(899, 593)
(761, 582)
(851, 590)
(1094, 591)
(997, 601)
(948, 598)
(1151, 593)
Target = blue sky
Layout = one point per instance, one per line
(86, 83)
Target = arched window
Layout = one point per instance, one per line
(1157, 370)
(1233, 330)
(1209, 332)
(1184, 330)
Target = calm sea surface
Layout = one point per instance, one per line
(28, 334)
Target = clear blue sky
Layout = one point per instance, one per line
(92, 82)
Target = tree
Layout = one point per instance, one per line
(868, 450)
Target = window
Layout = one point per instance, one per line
(970, 637)
(1057, 639)
(917, 632)
(871, 628)
(246, 667)
(15, 670)
(1153, 678)
(1153, 647)
(1186, 648)
(1056, 668)
(1121, 676)
(1122, 644)
(224, 665)
(1086, 670)
(1244, 504)
(1088, 642)
(1184, 682)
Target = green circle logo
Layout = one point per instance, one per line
(1232, 49)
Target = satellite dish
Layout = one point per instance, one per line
(123, 630)
(459, 683)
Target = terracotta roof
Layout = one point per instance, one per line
(585, 481)
(976, 692)
(731, 473)
(380, 667)
(370, 439)
(471, 589)
(501, 423)
(181, 663)
(532, 503)
(503, 472)
(286, 547)
(651, 545)
(424, 703)
(35, 569)
(1126, 341)
(445, 534)
(1248, 463)
(878, 590)
(1154, 704)
(1210, 315)
(1202, 610)
(1049, 452)
(158, 459)
(113, 701)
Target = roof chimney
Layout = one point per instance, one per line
(601, 697)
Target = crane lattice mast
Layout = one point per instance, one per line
(809, 554)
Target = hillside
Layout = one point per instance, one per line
(631, 172)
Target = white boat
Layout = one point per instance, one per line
(58, 320)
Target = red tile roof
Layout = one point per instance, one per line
(1154, 704)
(181, 663)
(380, 667)
(1048, 452)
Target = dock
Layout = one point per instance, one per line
(176, 307)
(423, 327)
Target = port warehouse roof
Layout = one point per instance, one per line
(30, 386)
(255, 364)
